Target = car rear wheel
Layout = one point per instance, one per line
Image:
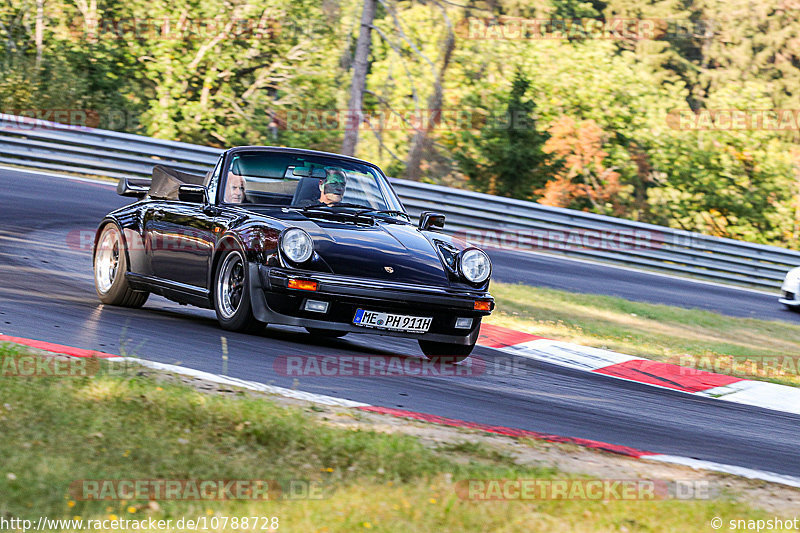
(445, 352)
(329, 333)
(110, 265)
(232, 293)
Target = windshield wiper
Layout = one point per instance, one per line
(340, 204)
(363, 209)
(389, 212)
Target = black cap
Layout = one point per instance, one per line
(335, 181)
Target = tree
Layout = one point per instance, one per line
(583, 177)
(360, 64)
(420, 142)
(576, 9)
(508, 159)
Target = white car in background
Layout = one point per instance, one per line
(790, 290)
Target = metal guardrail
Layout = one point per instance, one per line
(485, 220)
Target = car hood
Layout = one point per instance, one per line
(384, 250)
(792, 280)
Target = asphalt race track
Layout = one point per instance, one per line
(46, 293)
(585, 277)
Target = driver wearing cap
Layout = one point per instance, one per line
(331, 188)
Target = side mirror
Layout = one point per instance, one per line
(195, 194)
(428, 220)
(133, 187)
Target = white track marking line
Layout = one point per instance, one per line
(567, 354)
(727, 469)
(57, 175)
(252, 385)
(759, 394)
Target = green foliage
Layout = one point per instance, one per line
(574, 9)
(507, 157)
(225, 74)
(726, 183)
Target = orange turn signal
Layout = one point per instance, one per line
(481, 305)
(302, 284)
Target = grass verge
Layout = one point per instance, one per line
(59, 430)
(658, 332)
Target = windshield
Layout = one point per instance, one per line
(294, 180)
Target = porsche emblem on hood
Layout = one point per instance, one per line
(389, 270)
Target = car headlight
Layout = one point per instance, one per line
(475, 265)
(297, 245)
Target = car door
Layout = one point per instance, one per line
(186, 242)
(185, 239)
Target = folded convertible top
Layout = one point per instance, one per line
(166, 182)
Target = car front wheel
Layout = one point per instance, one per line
(110, 265)
(232, 293)
(445, 352)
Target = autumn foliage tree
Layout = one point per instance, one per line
(583, 179)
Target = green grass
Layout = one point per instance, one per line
(658, 332)
(58, 430)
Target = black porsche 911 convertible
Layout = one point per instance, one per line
(294, 237)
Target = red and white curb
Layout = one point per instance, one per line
(491, 335)
(190, 372)
(658, 374)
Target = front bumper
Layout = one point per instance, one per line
(789, 298)
(273, 302)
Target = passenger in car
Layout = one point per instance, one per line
(235, 187)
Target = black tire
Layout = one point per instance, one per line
(110, 265)
(328, 333)
(232, 293)
(444, 352)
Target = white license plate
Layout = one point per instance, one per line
(375, 319)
